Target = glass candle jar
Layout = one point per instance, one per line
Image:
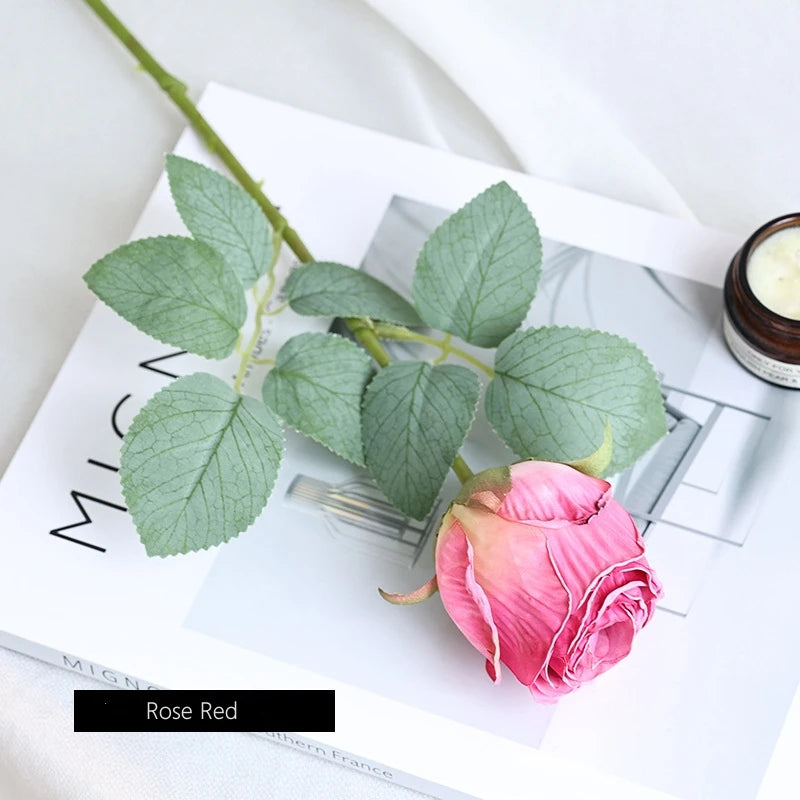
(762, 302)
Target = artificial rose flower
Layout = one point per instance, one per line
(543, 571)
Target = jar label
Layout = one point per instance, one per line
(765, 367)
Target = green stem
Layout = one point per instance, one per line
(385, 330)
(364, 330)
(277, 310)
(176, 90)
(261, 312)
(247, 353)
(462, 471)
(442, 357)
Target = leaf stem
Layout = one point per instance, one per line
(364, 330)
(385, 330)
(277, 310)
(261, 312)
(462, 471)
(176, 90)
(442, 357)
(247, 353)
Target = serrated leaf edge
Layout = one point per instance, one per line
(447, 219)
(147, 333)
(418, 323)
(122, 471)
(176, 156)
(461, 443)
(311, 436)
(519, 332)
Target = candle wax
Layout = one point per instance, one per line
(773, 272)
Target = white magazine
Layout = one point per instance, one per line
(697, 708)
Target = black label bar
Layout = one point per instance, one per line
(116, 710)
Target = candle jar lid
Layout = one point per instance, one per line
(765, 342)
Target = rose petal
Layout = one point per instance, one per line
(462, 596)
(613, 585)
(551, 684)
(482, 602)
(586, 553)
(529, 601)
(552, 495)
(616, 607)
(604, 648)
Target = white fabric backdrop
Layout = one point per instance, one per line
(685, 107)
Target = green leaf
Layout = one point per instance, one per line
(478, 272)
(198, 465)
(598, 462)
(177, 290)
(316, 387)
(220, 213)
(325, 289)
(414, 420)
(555, 388)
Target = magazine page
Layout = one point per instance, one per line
(695, 710)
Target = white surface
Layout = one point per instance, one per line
(650, 103)
(243, 598)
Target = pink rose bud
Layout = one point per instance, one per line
(542, 570)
